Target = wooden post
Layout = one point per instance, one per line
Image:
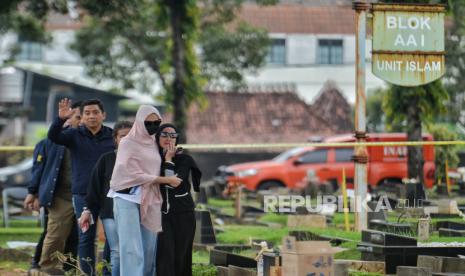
(238, 201)
(449, 188)
(345, 201)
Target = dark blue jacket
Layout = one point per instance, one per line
(85, 149)
(45, 169)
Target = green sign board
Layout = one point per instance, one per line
(408, 43)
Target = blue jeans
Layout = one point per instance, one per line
(86, 248)
(137, 244)
(111, 234)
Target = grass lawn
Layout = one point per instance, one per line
(19, 234)
(200, 257)
(233, 234)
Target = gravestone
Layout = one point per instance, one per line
(296, 221)
(380, 215)
(240, 271)
(447, 274)
(413, 271)
(390, 227)
(432, 262)
(450, 225)
(446, 232)
(270, 260)
(224, 258)
(450, 264)
(222, 271)
(423, 229)
(204, 232)
(202, 197)
(342, 267)
(388, 248)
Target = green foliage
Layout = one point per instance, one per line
(40, 133)
(203, 270)
(351, 254)
(19, 234)
(455, 59)
(27, 18)
(182, 45)
(14, 266)
(374, 104)
(241, 234)
(200, 257)
(236, 234)
(274, 218)
(215, 202)
(429, 99)
(359, 273)
(443, 153)
(235, 56)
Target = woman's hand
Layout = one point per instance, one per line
(170, 151)
(173, 180)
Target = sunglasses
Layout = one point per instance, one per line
(152, 123)
(172, 135)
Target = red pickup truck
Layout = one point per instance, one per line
(385, 164)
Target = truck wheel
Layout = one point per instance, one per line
(268, 185)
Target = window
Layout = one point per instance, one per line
(329, 51)
(29, 50)
(277, 52)
(344, 155)
(317, 156)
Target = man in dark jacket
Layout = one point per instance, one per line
(50, 186)
(86, 144)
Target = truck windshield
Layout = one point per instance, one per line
(287, 154)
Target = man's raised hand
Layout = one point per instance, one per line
(64, 109)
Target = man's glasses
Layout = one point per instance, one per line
(169, 134)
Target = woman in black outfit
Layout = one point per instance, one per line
(174, 256)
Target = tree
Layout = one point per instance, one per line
(27, 18)
(182, 44)
(441, 132)
(455, 58)
(414, 106)
(375, 119)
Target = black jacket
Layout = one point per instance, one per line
(97, 191)
(85, 148)
(179, 199)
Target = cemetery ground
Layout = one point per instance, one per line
(239, 235)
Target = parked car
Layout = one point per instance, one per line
(386, 164)
(17, 175)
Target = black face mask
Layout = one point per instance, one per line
(152, 126)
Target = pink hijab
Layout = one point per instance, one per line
(137, 163)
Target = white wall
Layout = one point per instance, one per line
(56, 52)
(7, 41)
(309, 80)
(309, 77)
(59, 51)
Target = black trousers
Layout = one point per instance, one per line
(174, 246)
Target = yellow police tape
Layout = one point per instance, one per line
(336, 145)
(284, 145)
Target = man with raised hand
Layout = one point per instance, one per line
(86, 144)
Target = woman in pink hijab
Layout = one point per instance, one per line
(135, 188)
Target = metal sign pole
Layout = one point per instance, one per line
(360, 157)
